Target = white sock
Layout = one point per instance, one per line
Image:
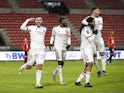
(82, 75)
(38, 76)
(103, 60)
(87, 76)
(55, 70)
(96, 63)
(60, 72)
(24, 66)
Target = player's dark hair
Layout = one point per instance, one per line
(90, 19)
(62, 18)
(94, 8)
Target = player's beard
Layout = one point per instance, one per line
(65, 25)
(38, 25)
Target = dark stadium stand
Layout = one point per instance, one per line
(29, 4)
(4, 4)
(109, 4)
(78, 5)
(12, 23)
(12, 20)
(111, 23)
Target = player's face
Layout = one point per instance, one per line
(64, 22)
(38, 21)
(97, 12)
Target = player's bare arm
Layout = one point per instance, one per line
(24, 25)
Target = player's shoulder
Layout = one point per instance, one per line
(100, 17)
(31, 26)
(56, 27)
(43, 27)
(68, 28)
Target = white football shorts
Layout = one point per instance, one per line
(36, 56)
(87, 54)
(100, 45)
(60, 54)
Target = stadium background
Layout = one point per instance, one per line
(14, 12)
(12, 15)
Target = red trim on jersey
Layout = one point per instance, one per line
(111, 43)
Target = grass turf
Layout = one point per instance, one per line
(11, 82)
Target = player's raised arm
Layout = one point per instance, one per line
(24, 25)
(84, 21)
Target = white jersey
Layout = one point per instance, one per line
(87, 37)
(37, 35)
(98, 24)
(61, 36)
(98, 38)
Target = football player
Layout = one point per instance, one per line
(37, 47)
(86, 48)
(62, 40)
(99, 42)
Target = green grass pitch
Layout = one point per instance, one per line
(11, 82)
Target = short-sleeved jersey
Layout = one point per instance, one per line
(111, 41)
(37, 35)
(87, 37)
(25, 46)
(61, 36)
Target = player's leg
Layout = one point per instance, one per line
(80, 78)
(87, 54)
(88, 73)
(83, 73)
(101, 48)
(29, 63)
(26, 55)
(111, 54)
(62, 82)
(94, 46)
(39, 65)
(60, 65)
(56, 69)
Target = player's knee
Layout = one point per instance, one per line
(61, 63)
(102, 53)
(90, 64)
(28, 67)
(94, 55)
(39, 66)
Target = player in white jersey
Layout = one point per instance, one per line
(99, 39)
(37, 48)
(62, 40)
(87, 49)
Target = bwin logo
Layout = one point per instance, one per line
(8, 56)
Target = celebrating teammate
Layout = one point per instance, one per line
(37, 47)
(61, 38)
(25, 48)
(95, 13)
(86, 48)
(111, 45)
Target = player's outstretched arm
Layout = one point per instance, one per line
(24, 25)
